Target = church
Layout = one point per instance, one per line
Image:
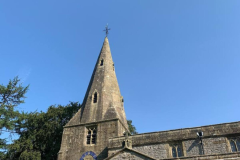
(99, 130)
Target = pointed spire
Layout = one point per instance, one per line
(103, 100)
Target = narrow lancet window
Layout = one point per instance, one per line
(174, 153)
(113, 67)
(95, 97)
(238, 144)
(179, 151)
(88, 137)
(101, 62)
(94, 136)
(233, 146)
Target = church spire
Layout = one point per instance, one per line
(103, 100)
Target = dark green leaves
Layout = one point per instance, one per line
(11, 95)
(131, 127)
(41, 133)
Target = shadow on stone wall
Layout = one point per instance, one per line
(197, 144)
(103, 154)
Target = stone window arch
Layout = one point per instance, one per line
(238, 144)
(179, 151)
(95, 97)
(94, 136)
(235, 144)
(88, 137)
(91, 135)
(101, 62)
(176, 150)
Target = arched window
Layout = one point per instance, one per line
(94, 136)
(179, 152)
(238, 144)
(88, 136)
(101, 62)
(174, 152)
(233, 146)
(91, 135)
(95, 97)
(113, 67)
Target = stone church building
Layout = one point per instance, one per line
(99, 130)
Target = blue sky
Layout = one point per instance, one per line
(177, 62)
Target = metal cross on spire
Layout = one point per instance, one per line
(106, 30)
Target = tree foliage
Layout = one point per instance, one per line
(11, 95)
(41, 133)
(131, 127)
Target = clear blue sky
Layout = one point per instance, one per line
(177, 62)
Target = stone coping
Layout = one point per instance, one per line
(212, 156)
(217, 130)
(237, 122)
(131, 150)
(197, 157)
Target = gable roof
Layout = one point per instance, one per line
(131, 150)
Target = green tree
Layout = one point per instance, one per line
(41, 133)
(10, 96)
(131, 127)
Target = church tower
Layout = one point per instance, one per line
(101, 116)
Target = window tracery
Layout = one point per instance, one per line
(91, 135)
(235, 144)
(176, 150)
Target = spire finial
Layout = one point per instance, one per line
(106, 30)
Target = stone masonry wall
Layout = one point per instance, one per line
(158, 151)
(192, 148)
(215, 141)
(129, 155)
(74, 140)
(215, 148)
(216, 145)
(212, 131)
